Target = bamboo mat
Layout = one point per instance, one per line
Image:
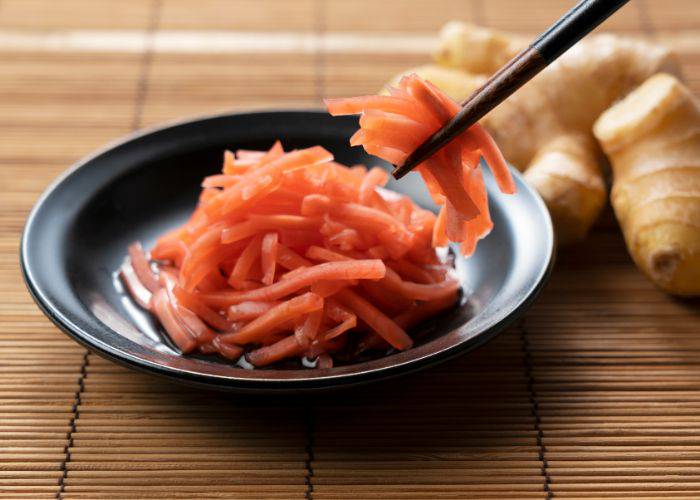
(595, 394)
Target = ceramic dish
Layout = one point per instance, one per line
(135, 189)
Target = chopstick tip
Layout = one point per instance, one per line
(401, 170)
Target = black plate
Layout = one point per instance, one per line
(77, 234)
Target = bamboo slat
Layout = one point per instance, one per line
(42, 90)
(140, 435)
(468, 426)
(365, 74)
(535, 17)
(245, 15)
(42, 14)
(671, 16)
(617, 395)
(363, 16)
(183, 85)
(38, 382)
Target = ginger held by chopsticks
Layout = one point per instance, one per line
(545, 129)
(652, 139)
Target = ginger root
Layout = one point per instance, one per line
(453, 82)
(565, 172)
(474, 49)
(569, 95)
(546, 127)
(652, 138)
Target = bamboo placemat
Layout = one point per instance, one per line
(596, 393)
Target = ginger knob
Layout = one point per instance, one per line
(454, 82)
(566, 173)
(475, 49)
(652, 138)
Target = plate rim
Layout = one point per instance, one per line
(52, 308)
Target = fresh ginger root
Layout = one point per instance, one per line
(545, 127)
(565, 172)
(569, 95)
(652, 138)
(474, 49)
(453, 82)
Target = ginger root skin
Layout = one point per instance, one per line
(474, 49)
(454, 82)
(569, 95)
(652, 138)
(567, 175)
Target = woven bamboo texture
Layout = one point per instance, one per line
(595, 394)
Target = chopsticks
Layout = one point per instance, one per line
(568, 30)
